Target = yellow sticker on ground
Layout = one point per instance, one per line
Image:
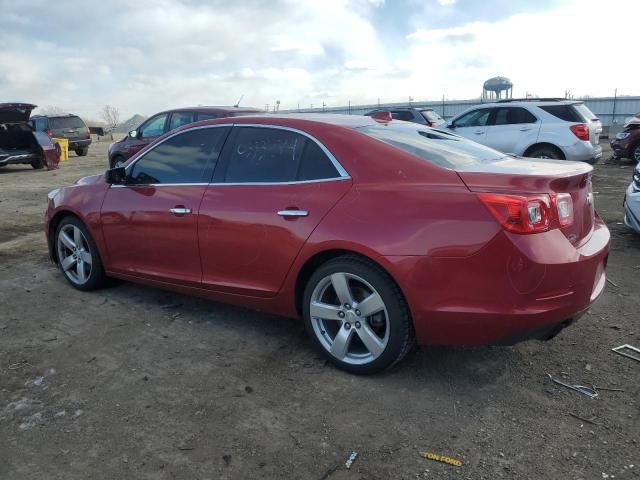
(441, 458)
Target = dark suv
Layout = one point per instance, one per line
(423, 116)
(163, 122)
(68, 126)
(627, 142)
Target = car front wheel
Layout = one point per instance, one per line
(635, 153)
(82, 152)
(357, 316)
(78, 255)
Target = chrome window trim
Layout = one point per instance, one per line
(344, 175)
(235, 184)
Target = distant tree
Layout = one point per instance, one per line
(51, 110)
(111, 116)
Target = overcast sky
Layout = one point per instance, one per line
(144, 56)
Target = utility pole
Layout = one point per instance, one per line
(349, 107)
(615, 100)
(277, 105)
(410, 100)
(323, 105)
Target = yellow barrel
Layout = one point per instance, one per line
(64, 147)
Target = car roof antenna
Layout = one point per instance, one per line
(239, 100)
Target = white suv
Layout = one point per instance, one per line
(541, 128)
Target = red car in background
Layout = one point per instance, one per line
(377, 233)
(160, 123)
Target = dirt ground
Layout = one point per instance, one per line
(136, 383)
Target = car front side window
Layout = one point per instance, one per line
(188, 157)
(153, 127)
(476, 118)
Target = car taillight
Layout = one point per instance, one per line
(581, 131)
(49, 132)
(564, 207)
(530, 213)
(520, 214)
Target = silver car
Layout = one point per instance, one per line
(632, 202)
(542, 128)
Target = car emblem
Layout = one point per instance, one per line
(590, 199)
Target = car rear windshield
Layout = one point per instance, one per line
(66, 122)
(577, 112)
(436, 146)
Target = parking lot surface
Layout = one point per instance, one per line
(134, 382)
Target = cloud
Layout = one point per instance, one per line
(150, 55)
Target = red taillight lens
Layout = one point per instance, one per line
(564, 207)
(382, 117)
(519, 214)
(581, 131)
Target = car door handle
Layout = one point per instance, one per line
(180, 210)
(525, 129)
(479, 132)
(293, 213)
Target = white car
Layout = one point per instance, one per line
(632, 202)
(541, 128)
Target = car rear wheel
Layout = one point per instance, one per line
(117, 161)
(357, 316)
(78, 255)
(82, 152)
(545, 152)
(38, 164)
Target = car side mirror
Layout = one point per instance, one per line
(134, 134)
(115, 176)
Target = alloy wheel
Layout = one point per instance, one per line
(349, 318)
(636, 154)
(74, 254)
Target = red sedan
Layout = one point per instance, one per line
(377, 233)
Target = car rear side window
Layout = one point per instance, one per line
(205, 116)
(188, 157)
(563, 112)
(315, 165)
(180, 118)
(513, 116)
(273, 155)
(66, 122)
(441, 148)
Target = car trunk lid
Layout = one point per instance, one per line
(514, 175)
(15, 112)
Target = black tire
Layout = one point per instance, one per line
(635, 153)
(115, 159)
(545, 151)
(96, 277)
(400, 338)
(38, 164)
(82, 152)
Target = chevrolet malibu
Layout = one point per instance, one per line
(377, 232)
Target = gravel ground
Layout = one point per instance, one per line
(115, 385)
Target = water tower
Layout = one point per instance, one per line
(494, 87)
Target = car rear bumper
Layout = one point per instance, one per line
(583, 151)
(74, 144)
(515, 288)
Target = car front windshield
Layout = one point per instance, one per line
(436, 146)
